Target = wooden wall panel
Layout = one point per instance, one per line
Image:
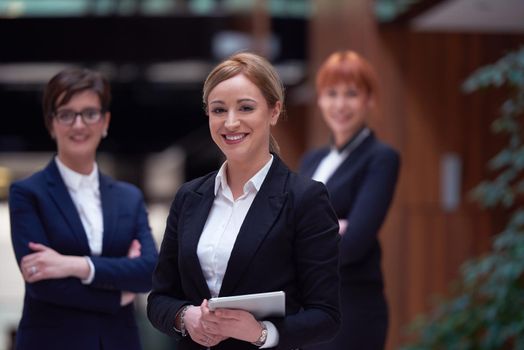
(393, 263)
(290, 134)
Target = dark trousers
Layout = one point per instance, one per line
(364, 321)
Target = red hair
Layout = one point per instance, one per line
(346, 67)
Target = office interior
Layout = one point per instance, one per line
(157, 53)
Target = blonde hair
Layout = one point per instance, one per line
(259, 71)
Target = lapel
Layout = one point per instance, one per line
(109, 201)
(262, 214)
(196, 210)
(314, 163)
(350, 163)
(60, 195)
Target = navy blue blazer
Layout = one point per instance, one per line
(361, 190)
(288, 241)
(64, 313)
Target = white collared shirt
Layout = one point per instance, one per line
(221, 230)
(85, 193)
(223, 224)
(330, 163)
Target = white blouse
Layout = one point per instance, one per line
(221, 230)
(85, 193)
(330, 163)
(223, 224)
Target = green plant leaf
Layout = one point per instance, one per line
(485, 309)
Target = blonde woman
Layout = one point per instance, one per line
(252, 226)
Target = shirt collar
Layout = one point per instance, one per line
(354, 141)
(74, 180)
(255, 182)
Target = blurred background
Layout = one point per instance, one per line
(157, 53)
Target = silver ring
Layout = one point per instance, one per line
(33, 270)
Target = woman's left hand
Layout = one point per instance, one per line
(46, 263)
(238, 324)
(343, 225)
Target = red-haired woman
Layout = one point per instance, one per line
(360, 173)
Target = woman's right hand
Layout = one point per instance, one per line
(134, 251)
(198, 328)
(127, 298)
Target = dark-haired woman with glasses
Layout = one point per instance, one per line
(81, 239)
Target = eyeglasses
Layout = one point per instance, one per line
(89, 116)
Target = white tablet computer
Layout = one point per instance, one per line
(260, 305)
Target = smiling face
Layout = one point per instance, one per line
(77, 143)
(344, 108)
(240, 120)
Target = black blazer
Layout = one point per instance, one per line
(361, 190)
(64, 313)
(288, 241)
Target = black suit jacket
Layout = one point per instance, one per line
(288, 241)
(361, 190)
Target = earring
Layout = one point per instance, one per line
(104, 133)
